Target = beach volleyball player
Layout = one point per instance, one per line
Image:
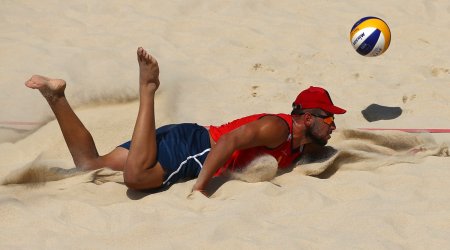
(157, 158)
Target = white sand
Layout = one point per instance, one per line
(221, 60)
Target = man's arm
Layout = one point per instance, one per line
(269, 131)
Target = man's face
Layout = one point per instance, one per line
(321, 128)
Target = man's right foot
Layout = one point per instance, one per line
(49, 88)
(148, 69)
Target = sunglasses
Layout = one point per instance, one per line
(328, 119)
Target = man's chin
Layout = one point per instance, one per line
(321, 142)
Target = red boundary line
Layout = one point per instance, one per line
(412, 130)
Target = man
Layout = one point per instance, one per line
(159, 157)
(282, 136)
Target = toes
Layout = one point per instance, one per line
(30, 84)
(29, 81)
(144, 56)
(148, 57)
(140, 53)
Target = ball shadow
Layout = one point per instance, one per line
(375, 112)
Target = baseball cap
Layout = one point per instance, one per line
(316, 97)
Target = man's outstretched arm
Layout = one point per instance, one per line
(269, 131)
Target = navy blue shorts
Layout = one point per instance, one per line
(182, 150)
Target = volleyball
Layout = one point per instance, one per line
(370, 36)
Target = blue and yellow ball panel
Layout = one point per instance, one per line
(370, 36)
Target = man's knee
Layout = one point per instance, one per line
(144, 179)
(132, 179)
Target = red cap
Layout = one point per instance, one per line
(316, 97)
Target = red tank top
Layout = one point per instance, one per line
(284, 153)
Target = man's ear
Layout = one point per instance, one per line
(308, 120)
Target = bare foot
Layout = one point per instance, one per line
(148, 69)
(49, 88)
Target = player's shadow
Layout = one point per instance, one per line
(213, 186)
(311, 154)
(216, 183)
(375, 112)
(139, 194)
(315, 154)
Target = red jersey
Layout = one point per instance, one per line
(284, 153)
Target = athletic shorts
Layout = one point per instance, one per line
(182, 150)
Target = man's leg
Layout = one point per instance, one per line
(140, 166)
(77, 137)
(142, 171)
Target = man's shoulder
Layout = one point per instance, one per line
(281, 119)
(275, 124)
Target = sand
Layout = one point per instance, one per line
(221, 60)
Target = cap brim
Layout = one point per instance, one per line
(334, 110)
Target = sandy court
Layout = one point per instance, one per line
(220, 61)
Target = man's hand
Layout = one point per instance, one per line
(195, 193)
(200, 189)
